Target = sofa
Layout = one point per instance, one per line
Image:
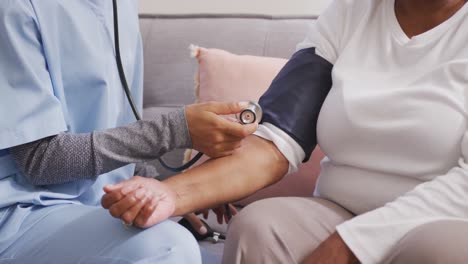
(169, 70)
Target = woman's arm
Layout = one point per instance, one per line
(257, 164)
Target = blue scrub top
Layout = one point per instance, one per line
(58, 74)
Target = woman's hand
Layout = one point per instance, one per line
(213, 134)
(144, 202)
(221, 213)
(139, 201)
(221, 216)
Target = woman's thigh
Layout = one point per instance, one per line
(437, 242)
(83, 234)
(281, 230)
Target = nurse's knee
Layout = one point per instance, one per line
(167, 242)
(433, 243)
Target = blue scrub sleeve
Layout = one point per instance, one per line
(296, 95)
(29, 109)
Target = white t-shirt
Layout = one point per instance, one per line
(394, 126)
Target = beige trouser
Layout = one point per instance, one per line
(286, 230)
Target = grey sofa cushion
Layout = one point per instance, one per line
(169, 70)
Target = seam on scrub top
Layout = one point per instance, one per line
(102, 19)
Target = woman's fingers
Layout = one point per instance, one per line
(120, 185)
(206, 213)
(221, 213)
(131, 199)
(111, 188)
(129, 216)
(113, 197)
(125, 190)
(196, 223)
(219, 216)
(147, 211)
(233, 210)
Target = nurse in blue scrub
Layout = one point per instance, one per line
(66, 131)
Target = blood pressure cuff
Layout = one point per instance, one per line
(295, 97)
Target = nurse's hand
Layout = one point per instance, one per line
(125, 200)
(213, 134)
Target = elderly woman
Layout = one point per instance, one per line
(394, 185)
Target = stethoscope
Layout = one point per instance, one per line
(249, 115)
(123, 80)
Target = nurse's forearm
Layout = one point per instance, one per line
(69, 157)
(257, 164)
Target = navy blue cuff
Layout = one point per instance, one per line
(296, 95)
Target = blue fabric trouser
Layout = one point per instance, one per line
(85, 235)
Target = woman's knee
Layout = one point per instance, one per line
(433, 243)
(254, 223)
(250, 230)
(281, 230)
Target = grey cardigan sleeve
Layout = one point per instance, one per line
(68, 157)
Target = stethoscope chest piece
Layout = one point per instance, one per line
(251, 114)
